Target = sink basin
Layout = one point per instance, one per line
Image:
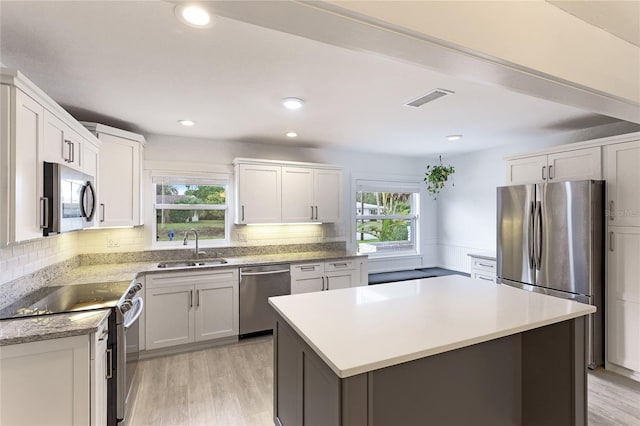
(191, 263)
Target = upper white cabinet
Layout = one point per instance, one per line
(21, 179)
(274, 192)
(574, 164)
(34, 129)
(259, 193)
(119, 176)
(622, 173)
(311, 194)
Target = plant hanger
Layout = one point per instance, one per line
(436, 176)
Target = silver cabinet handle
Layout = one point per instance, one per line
(322, 284)
(191, 298)
(543, 174)
(73, 152)
(109, 363)
(611, 242)
(485, 265)
(485, 278)
(197, 297)
(101, 212)
(611, 213)
(242, 220)
(44, 211)
(307, 268)
(311, 212)
(327, 283)
(339, 265)
(550, 172)
(316, 212)
(67, 159)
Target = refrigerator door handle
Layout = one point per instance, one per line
(530, 234)
(538, 236)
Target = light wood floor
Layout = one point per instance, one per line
(232, 386)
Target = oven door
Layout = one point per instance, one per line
(128, 353)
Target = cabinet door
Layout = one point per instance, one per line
(259, 194)
(119, 190)
(55, 147)
(344, 279)
(297, 194)
(216, 312)
(46, 382)
(575, 165)
(623, 307)
(527, 170)
(169, 316)
(622, 173)
(327, 190)
(27, 169)
(90, 160)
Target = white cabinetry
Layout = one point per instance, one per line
(272, 192)
(622, 173)
(310, 194)
(46, 382)
(187, 307)
(33, 129)
(101, 364)
(623, 295)
(575, 164)
(483, 267)
(322, 276)
(259, 198)
(119, 177)
(20, 154)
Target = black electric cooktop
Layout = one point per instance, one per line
(65, 299)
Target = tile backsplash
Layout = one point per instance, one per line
(25, 258)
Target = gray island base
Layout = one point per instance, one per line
(535, 377)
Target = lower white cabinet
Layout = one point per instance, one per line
(55, 382)
(188, 307)
(322, 276)
(623, 298)
(483, 268)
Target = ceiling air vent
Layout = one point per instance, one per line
(431, 96)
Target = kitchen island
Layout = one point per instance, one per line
(443, 351)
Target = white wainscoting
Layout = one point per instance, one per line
(396, 263)
(455, 257)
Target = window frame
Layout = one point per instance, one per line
(191, 179)
(397, 185)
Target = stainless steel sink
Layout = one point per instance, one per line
(191, 263)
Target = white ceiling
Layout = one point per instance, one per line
(135, 66)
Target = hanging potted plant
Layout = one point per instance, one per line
(436, 176)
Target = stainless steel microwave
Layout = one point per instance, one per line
(69, 200)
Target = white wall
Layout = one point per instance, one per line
(467, 212)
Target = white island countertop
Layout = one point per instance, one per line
(361, 329)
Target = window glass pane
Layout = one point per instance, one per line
(172, 224)
(384, 235)
(181, 193)
(383, 203)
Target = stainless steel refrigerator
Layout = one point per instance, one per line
(550, 240)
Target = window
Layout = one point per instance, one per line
(386, 218)
(182, 203)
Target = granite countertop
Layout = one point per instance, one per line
(488, 255)
(361, 329)
(46, 327)
(62, 325)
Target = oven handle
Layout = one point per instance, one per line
(137, 301)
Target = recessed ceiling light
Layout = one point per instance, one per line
(454, 137)
(193, 15)
(292, 134)
(292, 103)
(187, 123)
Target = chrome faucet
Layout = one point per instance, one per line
(186, 238)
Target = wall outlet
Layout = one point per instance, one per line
(113, 242)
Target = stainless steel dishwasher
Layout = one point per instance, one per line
(257, 284)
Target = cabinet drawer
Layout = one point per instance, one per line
(482, 276)
(340, 265)
(307, 270)
(484, 265)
